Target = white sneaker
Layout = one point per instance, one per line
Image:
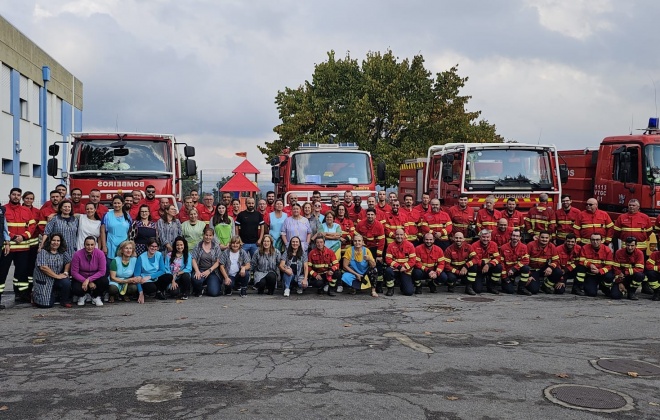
(299, 290)
(325, 288)
(287, 292)
(81, 301)
(340, 289)
(97, 301)
(88, 297)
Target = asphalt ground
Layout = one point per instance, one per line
(430, 356)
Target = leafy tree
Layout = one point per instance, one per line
(393, 108)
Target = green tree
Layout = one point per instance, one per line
(393, 108)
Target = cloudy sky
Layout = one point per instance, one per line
(568, 72)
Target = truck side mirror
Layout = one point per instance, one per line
(52, 167)
(191, 167)
(624, 160)
(275, 171)
(447, 173)
(380, 172)
(447, 158)
(54, 150)
(275, 161)
(189, 151)
(563, 173)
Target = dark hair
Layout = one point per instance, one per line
(547, 232)
(463, 195)
(120, 198)
(408, 195)
(26, 193)
(93, 238)
(96, 213)
(76, 189)
(345, 209)
(270, 192)
(184, 253)
(631, 239)
(20, 191)
(140, 210)
(149, 186)
(570, 236)
(59, 208)
(152, 241)
(127, 195)
(370, 210)
(61, 249)
(53, 192)
(565, 196)
(289, 249)
(510, 199)
(217, 219)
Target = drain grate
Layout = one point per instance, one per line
(623, 366)
(588, 398)
(475, 299)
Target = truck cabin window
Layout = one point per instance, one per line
(97, 155)
(652, 164)
(331, 168)
(512, 169)
(619, 166)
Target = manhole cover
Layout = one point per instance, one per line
(624, 366)
(588, 398)
(475, 299)
(440, 308)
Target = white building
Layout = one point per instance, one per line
(22, 95)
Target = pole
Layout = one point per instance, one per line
(45, 70)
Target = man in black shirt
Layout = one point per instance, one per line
(250, 226)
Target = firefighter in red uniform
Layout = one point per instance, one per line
(544, 265)
(514, 218)
(502, 233)
(462, 217)
(569, 258)
(633, 224)
(48, 211)
(382, 202)
(565, 217)
(484, 265)
(373, 233)
(208, 209)
(425, 205)
(515, 262)
(653, 273)
(184, 213)
(28, 200)
(151, 201)
(381, 216)
(595, 268)
(456, 259)
(430, 265)
(357, 213)
(488, 217)
(323, 267)
(400, 260)
(438, 224)
(395, 220)
(540, 218)
(593, 220)
(270, 202)
(412, 224)
(628, 270)
(21, 228)
(76, 200)
(347, 226)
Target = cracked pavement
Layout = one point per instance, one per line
(430, 356)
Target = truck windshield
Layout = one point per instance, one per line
(652, 166)
(331, 168)
(140, 155)
(509, 169)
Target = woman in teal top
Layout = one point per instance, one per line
(155, 276)
(276, 221)
(331, 231)
(223, 225)
(179, 264)
(123, 282)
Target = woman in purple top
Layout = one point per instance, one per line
(88, 273)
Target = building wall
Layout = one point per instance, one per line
(21, 96)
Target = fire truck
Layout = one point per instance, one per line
(116, 163)
(621, 168)
(327, 168)
(504, 170)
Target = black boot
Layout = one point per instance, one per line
(432, 287)
(470, 290)
(656, 294)
(418, 290)
(646, 288)
(522, 290)
(491, 289)
(450, 288)
(379, 287)
(547, 289)
(632, 294)
(577, 289)
(390, 291)
(331, 291)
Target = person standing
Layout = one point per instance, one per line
(114, 227)
(142, 229)
(48, 210)
(592, 220)
(168, 227)
(540, 218)
(296, 225)
(192, 229)
(66, 224)
(223, 225)
(208, 208)
(565, 217)
(76, 200)
(438, 224)
(250, 227)
(151, 201)
(21, 228)
(633, 224)
(462, 217)
(95, 198)
(514, 218)
(487, 217)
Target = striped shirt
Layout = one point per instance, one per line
(43, 284)
(167, 232)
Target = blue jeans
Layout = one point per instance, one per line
(213, 285)
(250, 249)
(237, 280)
(287, 278)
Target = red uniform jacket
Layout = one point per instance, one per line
(637, 225)
(565, 220)
(516, 220)
(394, 222)
(456, 258)
(598, 222)
(488, 254)
(412, 223)
(321, 261)
(401, 256)
(653, 263)
(601, 258)
(421, 210)
(501, 238)
(430, 259)
(154, 208)
(347, 229)
(628, 264)
(385, 209)
(461, 219)
(568, 260)
(513, 258)
(44, 212)
(540, 257)
(20, 222)
(540, 217)
(439, 222)
(487, 220)
(205, 215)
(373, 234)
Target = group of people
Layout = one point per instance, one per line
(147, 246)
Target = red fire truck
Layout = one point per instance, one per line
(327, 168)
(622, 168)
(116, 163)
(521, 171)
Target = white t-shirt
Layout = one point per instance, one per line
(233, 263)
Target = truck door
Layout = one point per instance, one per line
(450, 179)
(625, 178)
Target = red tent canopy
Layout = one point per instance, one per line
(246, 168)
(239, 183)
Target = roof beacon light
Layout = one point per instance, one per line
(653, 123)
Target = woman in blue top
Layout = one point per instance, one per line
(331, 231)
(114, 227)
(276, 220)
(155, 276)
(179, 264)
(123, 281)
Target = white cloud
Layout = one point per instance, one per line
(578, 19)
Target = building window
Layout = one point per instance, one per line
(25, 169)
(7, 167)
(24, 109)
(36, 171)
